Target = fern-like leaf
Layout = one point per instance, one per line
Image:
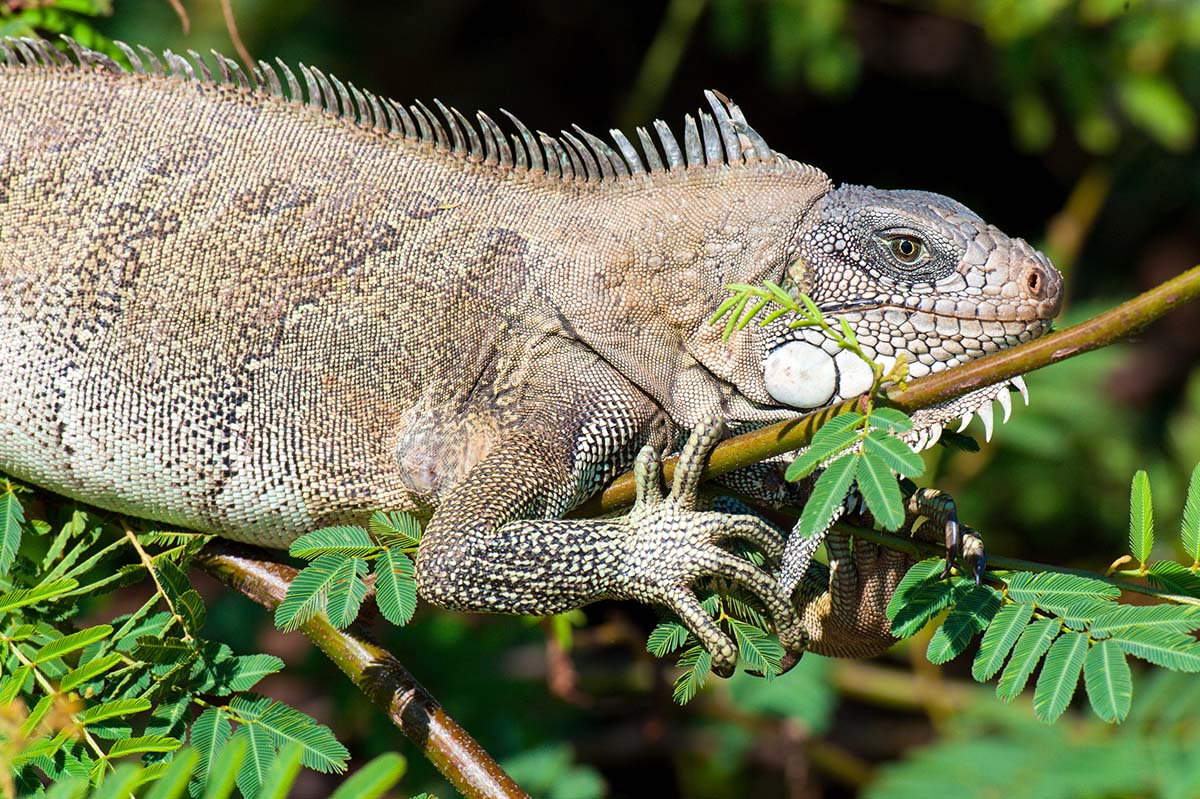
(758, 649)
(1190, 526)
(920, 596)
(1058, 592)
(1108, 681)
(827, 495)
(696, 663)
(347, 541)
(69, 643)
(322, 751)
(308, 592)
(12, 516)
(1141, 518)
(974, 607)
(665, 638)
(1060, 675)
(999, 639)
(878, 486)
(395, 586)
(346, 592)
(1032, 644)
(898, 456)
(1166, 648)
(396, 530)
(834, 436)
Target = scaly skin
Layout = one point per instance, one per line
(225, 309)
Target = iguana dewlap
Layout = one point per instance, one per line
(254, 309)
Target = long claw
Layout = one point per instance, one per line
(985, 415)
(974, 553)
(953, 543)
(1019, 382)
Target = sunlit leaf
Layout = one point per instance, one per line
(395, 586)
(878, 486)
(999, 638)
(395, 530)
(1060, 675)
(898, 456)
(665, 638)
(1141, 518)
(72, 642)
(827, 496)
(1109, 683)
(374, 779)
(973, 608)
(347, 541)
(1032, 644)
(1190, 526)
(12, 516)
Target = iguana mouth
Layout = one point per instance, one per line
(928, 423)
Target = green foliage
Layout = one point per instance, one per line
(1068, 623)
(104, 709)
(1141, 518)
(333, 582)
(74, 18)
(1189, 532)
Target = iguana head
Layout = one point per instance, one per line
(915, 275)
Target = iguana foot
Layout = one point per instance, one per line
(672, 545)
(960, 541)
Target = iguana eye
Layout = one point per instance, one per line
(906, 249)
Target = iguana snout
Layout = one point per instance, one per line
(916, 275)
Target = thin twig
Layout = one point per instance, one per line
(181, 12)
(234, 36)
(376, 672)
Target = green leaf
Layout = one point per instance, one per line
(174, 781)
(971, 613)
(1189, 528)
(665, 638)
(395, 529)
(120, 783)
(1152, 103)
(999, 638)
(374, 779)
(395, 586)
(1175, 578)
(1032, 644)
(346, 592)
(895, 453)
(12, 516)
(878, 486)
(224, 770)
(697, 662)
(1175, 618)
(11, 600)
(920, 596)
(1060, 675)
(69, 643)
(347, 541)
(1141, 518)
(108, 710)
(1108, 681)
(210, 732)
(88, 671)
(144, 743)
(283, 772)
(828, 494)
(835, 436)
(1162, 647)
(890, 419)
(260, 752)
(1057, 592)
(307, 593)
(322, 751)
(757, 648)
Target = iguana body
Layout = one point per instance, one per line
(230, 310)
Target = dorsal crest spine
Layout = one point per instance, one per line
(722, 139)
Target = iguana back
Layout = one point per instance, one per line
(226, 309)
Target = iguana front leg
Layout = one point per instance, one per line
(482, 551)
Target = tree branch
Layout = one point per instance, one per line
(376, 672)
(1101, 331)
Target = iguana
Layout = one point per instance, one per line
(253, 304)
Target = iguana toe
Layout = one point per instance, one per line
(672, 546)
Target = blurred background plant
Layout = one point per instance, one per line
(1069, 122)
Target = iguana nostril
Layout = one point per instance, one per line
(1035, 281)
